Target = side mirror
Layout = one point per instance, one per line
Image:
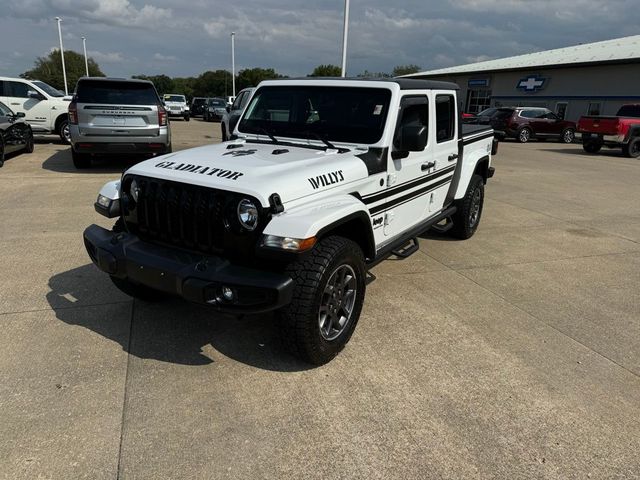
(413, 138)
(19, 115)
(34, 94)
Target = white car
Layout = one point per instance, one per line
(176, 106)
(325, 179)
(45, 108)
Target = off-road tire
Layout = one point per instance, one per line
(186, 118)
(135, 290)
(632, 148)
(568, 135)
(463, 225)
(298, 322)
(80, 160)
(524, 135)
(592, 146)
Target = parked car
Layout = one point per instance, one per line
(15, 133)
(619, 131)
(198, 106)
(214, 109)
(112, 115)
(525, 123)
(230, 119)
(44, 107)
(176, 106)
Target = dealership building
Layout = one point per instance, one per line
(595, 79)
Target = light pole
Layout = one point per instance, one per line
(64, 70)
(86, 62)
(233, 62)
(344, 38)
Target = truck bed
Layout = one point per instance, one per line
(470, 129)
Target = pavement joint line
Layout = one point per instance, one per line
(533, 262)
(124, 395)
(529, 314)
(64, 308)
(567, 221)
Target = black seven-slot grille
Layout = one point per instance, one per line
(187, 216)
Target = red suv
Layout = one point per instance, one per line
(525, 123)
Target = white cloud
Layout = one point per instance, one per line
(164, 58)
(106, 57)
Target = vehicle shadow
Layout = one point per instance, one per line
(171, 331)
(615, 153)
(61, 162)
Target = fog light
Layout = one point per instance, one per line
(227, 294)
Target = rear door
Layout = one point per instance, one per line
(127, 109)
(445, 148)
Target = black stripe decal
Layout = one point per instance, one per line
(410, 196)
(477, 139)
(407, 185)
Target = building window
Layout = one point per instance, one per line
(594, 108)
(478, 100)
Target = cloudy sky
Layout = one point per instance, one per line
(183, 38)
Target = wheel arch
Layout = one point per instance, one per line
(357, 228)
(59, 119)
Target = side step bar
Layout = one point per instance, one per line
(407, 249)
(443, 228)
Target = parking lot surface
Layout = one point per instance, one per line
(515, 354)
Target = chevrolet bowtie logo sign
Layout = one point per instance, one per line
(532, 83)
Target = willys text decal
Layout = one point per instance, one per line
(326, 179)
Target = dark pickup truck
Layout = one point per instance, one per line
(619, 131)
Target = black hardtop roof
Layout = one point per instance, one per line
(404, 83)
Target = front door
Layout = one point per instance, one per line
(407, 203)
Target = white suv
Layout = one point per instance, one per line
(44, 107)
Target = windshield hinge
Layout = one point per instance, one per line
(391, 179)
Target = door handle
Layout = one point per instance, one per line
(427, 166)
(15, 103)
(453, 156)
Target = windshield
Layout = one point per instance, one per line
(340, 114)
(174, 98)
(217, 102)
(48, 89)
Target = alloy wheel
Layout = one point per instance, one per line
(337, 302)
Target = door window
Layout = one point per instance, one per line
(238, 102)
(16, 89)
(415, 112)
(445, 117)
(5, 111)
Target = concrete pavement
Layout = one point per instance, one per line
(515, 354)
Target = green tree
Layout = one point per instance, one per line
(251, 77)
(49, 69)
(326, 71)
(184, 86)
(368, 74)
(405, 70)
(163, 83)
(212, 84)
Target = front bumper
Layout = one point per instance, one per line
(196, 278)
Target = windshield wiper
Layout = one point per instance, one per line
(268, 134)
(317, 136)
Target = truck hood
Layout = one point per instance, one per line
(258, 169)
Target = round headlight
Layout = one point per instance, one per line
(248, 214)
(135, 189)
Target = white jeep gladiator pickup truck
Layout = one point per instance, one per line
(321, 180)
